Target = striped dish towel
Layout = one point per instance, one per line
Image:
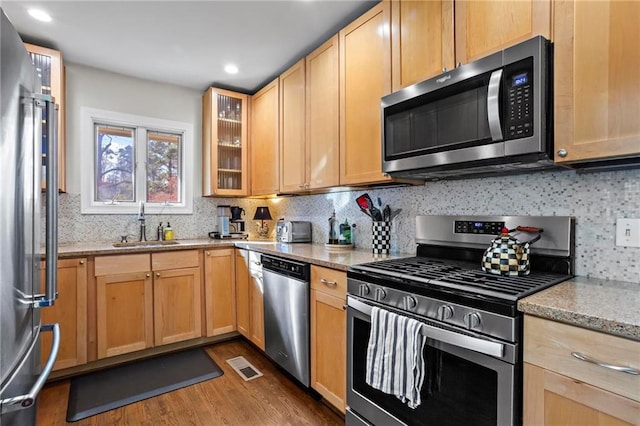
(395, 361)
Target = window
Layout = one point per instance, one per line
(133, 159)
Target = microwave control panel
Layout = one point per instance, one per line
(519, 102)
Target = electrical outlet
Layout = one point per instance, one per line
(628, 232)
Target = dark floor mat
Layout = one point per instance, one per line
(105, 390)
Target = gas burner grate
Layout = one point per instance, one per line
(463, 276)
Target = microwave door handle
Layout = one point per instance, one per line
(493, 105)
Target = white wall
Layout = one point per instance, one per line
(91, 87)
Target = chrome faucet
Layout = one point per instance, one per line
(143, 226)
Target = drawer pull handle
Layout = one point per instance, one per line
(328, 283)
(628, 370)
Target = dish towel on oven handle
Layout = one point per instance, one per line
(395, 361)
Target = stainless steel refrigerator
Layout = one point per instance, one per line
(26, 117)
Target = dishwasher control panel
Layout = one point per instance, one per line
(290, 268)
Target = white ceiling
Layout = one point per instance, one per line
(187, 43)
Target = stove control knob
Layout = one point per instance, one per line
(380, 294)
(410, 302)
(364, 290)
(445, 312)
(472, 320)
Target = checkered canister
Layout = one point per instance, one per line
(381, 236)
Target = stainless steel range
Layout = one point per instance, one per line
(473, 351)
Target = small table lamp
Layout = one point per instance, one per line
(262, 214)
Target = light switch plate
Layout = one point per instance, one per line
(628, 232)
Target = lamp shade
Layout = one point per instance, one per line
(262, 213)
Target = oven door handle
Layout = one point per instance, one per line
(476, 344)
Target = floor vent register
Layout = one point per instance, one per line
(244, 368)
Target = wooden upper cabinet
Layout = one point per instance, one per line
(264, 140)
(365, 76)
(224, 143)
(292, 129)
(51, 70)
(421, 40)
(323, 118)
(597, 80)
(484, 27)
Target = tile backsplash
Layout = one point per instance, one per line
(596, 200)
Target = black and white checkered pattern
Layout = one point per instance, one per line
(506, 256)
(381, 236)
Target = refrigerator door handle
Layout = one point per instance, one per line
(51, 253)
(27, 400)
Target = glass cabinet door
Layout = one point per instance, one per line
(50, 69)
(225, 143)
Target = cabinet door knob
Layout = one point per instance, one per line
(82, 262)
(148, 275)
(208, 253)
(157, 274)
(562, 153)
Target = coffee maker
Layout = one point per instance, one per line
(236, 218)
(224, 215)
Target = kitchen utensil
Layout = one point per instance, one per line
(366, 204)
(509, 256)
(394, 214)
(376, 214)
(386, 213)
(365, 211)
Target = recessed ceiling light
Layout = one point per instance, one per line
(231, 69)
(40, 15)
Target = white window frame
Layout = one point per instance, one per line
(88, 205)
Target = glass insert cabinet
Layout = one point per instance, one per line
(50, 68)
(224, 134)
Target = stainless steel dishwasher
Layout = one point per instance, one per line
(286, 314)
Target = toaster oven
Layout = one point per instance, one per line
(293, 232)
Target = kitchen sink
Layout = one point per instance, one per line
(145, 243)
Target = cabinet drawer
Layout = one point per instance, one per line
(549, 344)
(122, 264)
(174, 260)
(329, 281)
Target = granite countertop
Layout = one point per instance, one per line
(608, 306)
(602, 305)
(312, 253)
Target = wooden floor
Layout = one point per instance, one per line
(228, 400)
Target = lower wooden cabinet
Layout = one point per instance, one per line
(329, 335)
(554, 399)
(153, 299)
(220, 291)
(560, 389)
(70, 312)
(177, 296)
(249, 297)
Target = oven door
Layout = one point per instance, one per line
(461, 386)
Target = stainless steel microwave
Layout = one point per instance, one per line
(493, 115)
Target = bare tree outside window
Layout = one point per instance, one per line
(163, 167)
(115, 163)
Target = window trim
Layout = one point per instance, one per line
(91, 116)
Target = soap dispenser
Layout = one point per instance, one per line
(168, 232)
